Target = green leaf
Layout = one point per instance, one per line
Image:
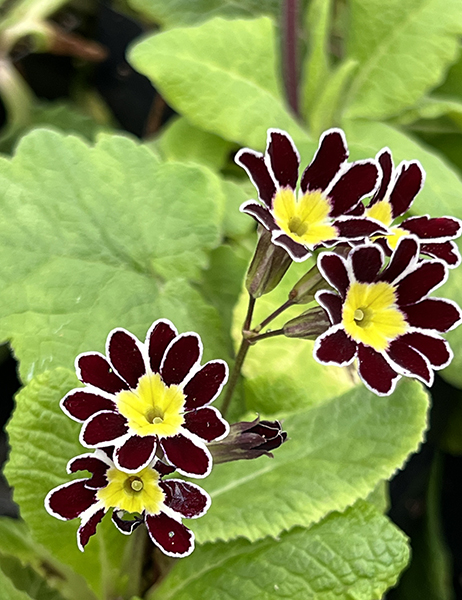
(222, 77)
(404, 48)
(27, 580)
(432, 108)
(336, 453)
(95, 238)
(9, 591)
(237, 224)
(358, 554)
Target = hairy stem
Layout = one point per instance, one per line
(265, 336)
(273, 315)
(290, 52)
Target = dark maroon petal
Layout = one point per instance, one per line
(439, 228)
(189, 459)
(87, 529)
(94, 369)
(206, 423)
(356, 227)
(125, 355)
(125, 526)
(332, 303)
(283, 157)
(405, 254)
(205, 385)
(446, 251)
(187, 499)
(358, 181)
(434, 348)
(254, 164)
(69, 500)
(366, 262)
(410, 361)
(356, 211)
(409, 180)
(296, 251)
(426, 277)
(432, 313)
(386, 163)
(330, 156)
(335, 347)
(172, 537)
(103, 428)
(81, 404)
(334, 270)
(159, 336)
(135, 453)
(375, 371)
(181, 356)
(89, 462)
(260, 213)
(163, 469)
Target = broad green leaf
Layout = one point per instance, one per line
(185, 12)
(336, 453)
(95, 238)
(9, 591)
(25, 579)
(222, 77)
(42, 441)
(404, 48)
(355, 555)
(432, 108)
(237, 224)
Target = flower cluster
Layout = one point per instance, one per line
(373, 274)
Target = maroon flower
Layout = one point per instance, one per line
(329, 188)
(148, 398)
(383, 317)
(142, 497)
(394, 197)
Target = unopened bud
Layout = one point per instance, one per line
(268, 266)
(304, 290)
(309, 325)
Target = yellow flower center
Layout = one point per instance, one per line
(133, 493)
(370, 314)
(306, 221)
(381, 211)
(153, 408)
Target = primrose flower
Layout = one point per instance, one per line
(148, 398)
(329, 188)
(137, 498)
(397, 191)
(383, 317)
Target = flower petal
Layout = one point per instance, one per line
(181, 356)
(80, 404)
(135, 453)
(88, 528)
(190, 458)
(172, 537)
(330, 156)
(332, 303)
(159, 336)
(358, 180)
(386, 163)
(260, 213)
(435, 348)
(124, 352)
(93, 368)
(254, 163)
(404, 257)
(207, 423)
(409, 181)
(409, 362)
(436, 228)
(376, 373)
(446, 251)
(91, 463)
(335, 347)
(433, 313)
(187, 499)
(297, 252)
(283, 157)
(206, 384)
(70, 500)
(103, 429)
(420, 282)
(333, 269)
(125, 526)
(352, 227)
(366, 262)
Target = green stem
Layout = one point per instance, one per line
(265, 336)
(287, 304)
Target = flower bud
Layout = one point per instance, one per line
(248, 440)
(304, 290)
(309, 325)
(268, 266)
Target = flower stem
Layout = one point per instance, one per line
(290, 52)
(273, 315)
(264, 336)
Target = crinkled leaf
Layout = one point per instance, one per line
(358, 554)
(95, 238)
(9, 591)
(27, 580)
(237, 224)
(222, 77)
(336, 453)
(404, 48)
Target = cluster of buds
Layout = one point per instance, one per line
(374, 269)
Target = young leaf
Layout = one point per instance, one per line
(357, 554)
